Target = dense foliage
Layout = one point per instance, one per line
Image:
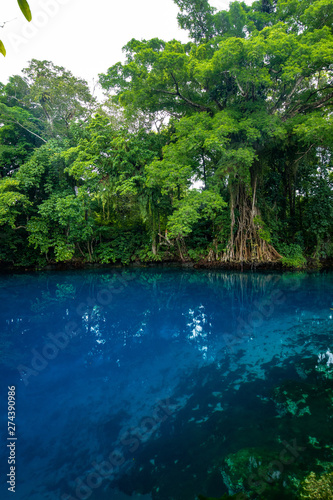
(217, 149)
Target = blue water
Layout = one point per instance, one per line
(141, 383)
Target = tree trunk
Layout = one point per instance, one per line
(153, 245)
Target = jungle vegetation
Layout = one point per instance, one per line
(218, 149)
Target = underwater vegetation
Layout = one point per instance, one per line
(264, 441)
(302, 467)
(314, 487)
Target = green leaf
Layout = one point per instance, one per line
(24, 6)
(2, 48)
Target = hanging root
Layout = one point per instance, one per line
(247, 245)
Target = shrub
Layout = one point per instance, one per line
(292, 255)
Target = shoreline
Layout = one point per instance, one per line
(311, 265)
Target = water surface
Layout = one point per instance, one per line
(164, 384)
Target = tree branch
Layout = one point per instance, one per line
(298, 108)
(188, 101)
(298, 81)
(320, 103)
(30, 131)
(240, 88)
(318, 90)
(166, 239)
(304, 154)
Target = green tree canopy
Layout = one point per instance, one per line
(219, 148)
(255, 85)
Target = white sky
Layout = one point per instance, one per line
(84, 36)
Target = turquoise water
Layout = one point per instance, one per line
(165, 384)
